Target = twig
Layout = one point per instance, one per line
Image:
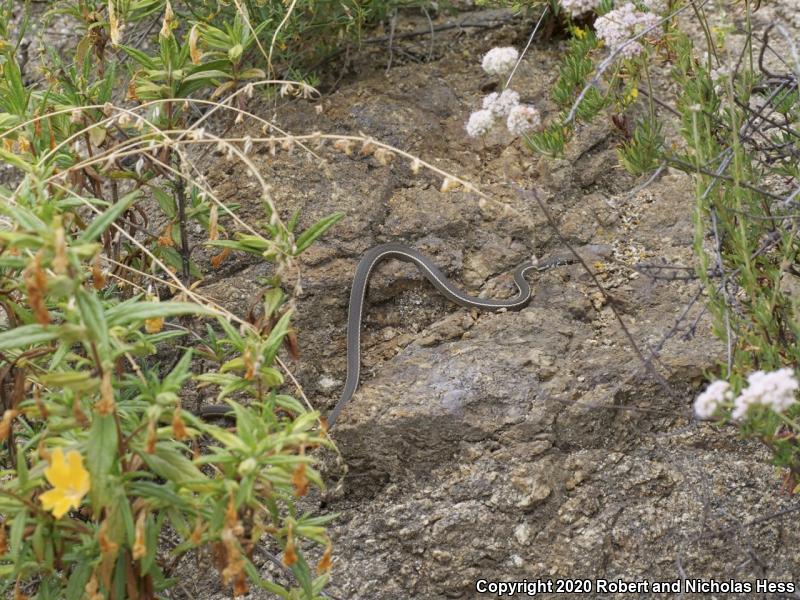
(528, 45)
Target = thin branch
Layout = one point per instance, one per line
(606, 296)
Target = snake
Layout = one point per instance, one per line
(433, 274)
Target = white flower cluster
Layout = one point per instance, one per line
(578, 7)
(501, 104)
(480, 122)
(499, 61)
(520, 118)
(777, 390)
(709, 401)
(619, 25)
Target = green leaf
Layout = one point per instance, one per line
(104, 220)
(23, 216)
(101, 454)
(77, 581)
(141, 57)
(15, 160)
(93, 317)
(22, 468)
(154, 491)
(276, 336)
(166, 202)
(131, 313)
(254, 575)
(170, 464)
(120, 576)
(316, 230)
(15, 535)
(231, 440)
(78, 381)
(303, 574)
(173, 258)
(26, 335)
(8, 121)
(235, 52)
(202, 75)
(151, 544)
(253, 74)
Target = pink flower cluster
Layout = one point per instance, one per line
(522, 119)
(618, 26)
(577, 8)
(777, 390)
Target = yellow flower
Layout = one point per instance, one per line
(579, 33)
(153, 325)
(70, 482)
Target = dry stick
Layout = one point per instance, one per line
(105, 156)
(772, 241)
(528, 45)
(208, 302)
(255, 34)
(288, 14)
(430, 24)
(780, 59)
(662, 167)
(751, 123)
(392, 25)
(720, 261)
(365, 140)
(673, 272)
(676, 326)
(606, 296)
(770, 102)
(684, 165)
(133, 151)
(792, 48)
(286, 571)
(314, 136)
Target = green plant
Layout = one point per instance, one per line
(102, 457)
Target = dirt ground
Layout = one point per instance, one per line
(507, 446)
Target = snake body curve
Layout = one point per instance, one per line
(432, 273)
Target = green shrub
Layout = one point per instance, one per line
(102, 457)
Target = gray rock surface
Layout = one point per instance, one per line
(516, 445)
